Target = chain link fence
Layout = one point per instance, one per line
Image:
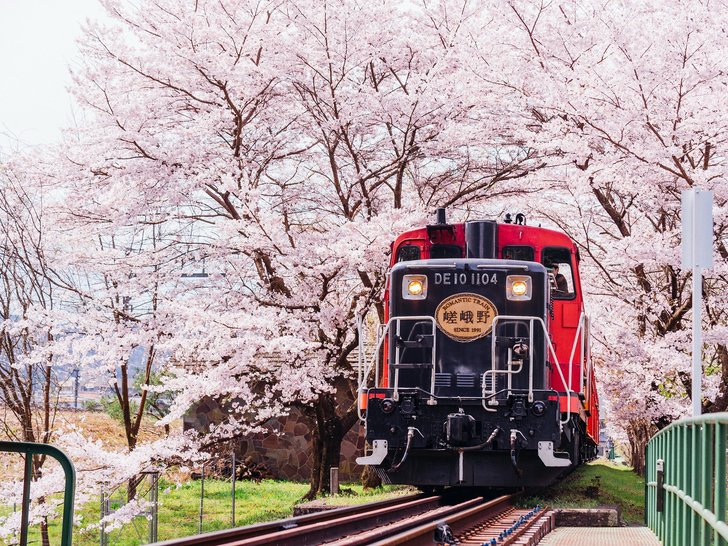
(204, 503)
(167, 505)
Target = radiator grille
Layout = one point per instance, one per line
(443, 380)
(465, 380)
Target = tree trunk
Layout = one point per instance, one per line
(328, 433)
(45, 540)
(329, 429)
(639, 433)
(133, 482)
(370, 479)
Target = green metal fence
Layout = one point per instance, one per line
(30, 449)
(686, 482)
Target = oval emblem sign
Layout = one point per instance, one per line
(465, 317)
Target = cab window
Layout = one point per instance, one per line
(520, 252)
(557, 261)
(407, 253)
(445, 251)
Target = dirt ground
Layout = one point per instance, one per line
(97, 425)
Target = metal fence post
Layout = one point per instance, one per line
(232, 518)
(15, 509)
(102, 513)
(334, 480)
(685, 511)
(69, 472)
(660, 478)
(25, 513)
(706, 479)
(154, 498)
(719, 503)
(202, 497)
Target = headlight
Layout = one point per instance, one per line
(538, 408)
(518, 288)
(414, 287)
(387, 405)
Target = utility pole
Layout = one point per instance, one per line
(77, 374)
(697, 253)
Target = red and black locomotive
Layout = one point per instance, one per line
(481, 375)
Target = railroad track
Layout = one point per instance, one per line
(315, 528)
(476, 522)
(415, 520)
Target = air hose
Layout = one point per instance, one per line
(490, 440)
(410, 435)
(514, 452)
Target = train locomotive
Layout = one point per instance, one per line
(482, 374)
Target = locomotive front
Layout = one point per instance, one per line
(462, 397)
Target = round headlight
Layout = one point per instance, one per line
(415, 287)
(387, 405)
(519, 288)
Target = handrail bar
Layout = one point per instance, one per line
(586, 358)
(551, 350)
(685, 481)
(363, 374)
(708, 418)
(373, 362)
(383, 329)
(579, 332)
(30, 449)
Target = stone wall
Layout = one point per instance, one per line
(284, 449)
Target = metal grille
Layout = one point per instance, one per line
(382, 474)
(465, 380)
(443, 380)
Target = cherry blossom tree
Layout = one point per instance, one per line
(230, 202)
(31, 315)
(632, 118)
(285, 145)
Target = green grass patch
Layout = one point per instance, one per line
(179, 509)
(352, 494)
(599, 483)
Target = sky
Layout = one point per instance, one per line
(37, 45)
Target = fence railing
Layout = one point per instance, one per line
(686, 482)
(30, 449)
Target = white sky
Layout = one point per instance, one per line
(37, 44)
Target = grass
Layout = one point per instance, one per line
(599, 483)
(352, 494)
(179, 507)
(592, 485)
(179, 504)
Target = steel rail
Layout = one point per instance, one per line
(514, 526)
(309, 528)
(403, 526)
(462, 519)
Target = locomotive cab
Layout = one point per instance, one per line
(469, 389)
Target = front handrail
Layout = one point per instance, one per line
(30, 449)
(365, 367)
(531, 320)
(685, 475)
(578, 336)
